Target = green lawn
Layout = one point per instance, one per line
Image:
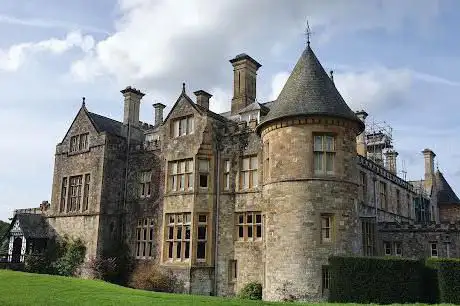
(17, 288)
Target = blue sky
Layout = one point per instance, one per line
(397, 59)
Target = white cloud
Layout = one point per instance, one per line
(153, 49)
(278, 82)
(47, 23)
(15, 56)
(374, 88)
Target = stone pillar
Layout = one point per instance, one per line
(159, 107)
(202, 98)
(391, 161)
(361, 147)
(132, 102)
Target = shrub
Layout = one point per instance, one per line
(37, 263)
(376, 280)
(71, 254)
(148, 276)
(251, 291)
(102, 268)
(449, 281)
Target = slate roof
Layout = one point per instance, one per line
(32, 225)
(104, 124)
(445, 194)
(309, 91)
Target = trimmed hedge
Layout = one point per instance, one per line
(449, 281)
(376, 280)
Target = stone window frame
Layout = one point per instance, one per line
(324, 154)
(397, 245)
(145, 232)
(82, 189)
(398, 201)
(325, 279)
(202, 227)
(63, 201)
(178, 176)
(182, 126)
(326, 228)
(368, 229)
(86, 189)
(387, 250)
(75, 193)
(178, 233)
(232, 270)
(204, 165)
(434, 249)
(145, 184)
(226, 174)
(249, 226)
(363, 184)
(267, 160)
(79, 143)
(249, 172)
(383, 195)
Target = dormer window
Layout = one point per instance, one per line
(182, 126)
(79, 142)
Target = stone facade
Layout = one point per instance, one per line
(245, 196)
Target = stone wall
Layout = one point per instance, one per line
(449, 212)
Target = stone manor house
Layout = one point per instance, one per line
(265, 192)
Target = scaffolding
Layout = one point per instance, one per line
(379, 140)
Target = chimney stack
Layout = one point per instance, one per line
(133, 98)
(361, 147)
(244, 81)
(202, 98)
(159, 107)
(391, 161)
(429, 156)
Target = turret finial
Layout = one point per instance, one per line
(183, 88)
(308, 33)
(83, 102)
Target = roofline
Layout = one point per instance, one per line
(264, 123)
(244, 56)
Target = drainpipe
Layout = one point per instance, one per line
(125, 191)
(217, 219)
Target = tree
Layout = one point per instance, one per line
(3, 228)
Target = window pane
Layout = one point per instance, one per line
(173, 168)
(203, 180)
(227, 166)
(246, 164)
(187, 232)
(318, 146)
(187, 218)
(202, 232)
(254, 162)
(182, 167)
(259, 231)
(246, 179)
(178, 250)
(176, 128)
(187, 250)
(190, 166)
(249, 231)
(329, 142)
(170, 250)
(255, 179)
(249, 218)
(318, 161)
(189, 125)
(179, 232)
(203, 165)
(201, 250)
(258, 218)
(202, 218)
(171, 233)
(240, 231)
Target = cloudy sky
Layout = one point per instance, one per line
(397, 59)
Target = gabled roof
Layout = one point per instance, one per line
(32, 225)
(104, 124)
(445, 194)
(309, 91)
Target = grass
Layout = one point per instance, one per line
(18, 288)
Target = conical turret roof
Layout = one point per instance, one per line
(445, 194)
(309, 91)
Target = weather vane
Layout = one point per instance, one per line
(308, 33)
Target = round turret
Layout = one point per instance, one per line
(309, 141)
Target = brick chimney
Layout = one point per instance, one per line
(202, 98)
(244, 81)
(133, 98)
(361, 147)
(429, 156)
(391, 161)
(159, 107)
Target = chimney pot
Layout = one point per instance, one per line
(202, 98)
(429, 156)
(391, 161)
(159, 107)
(132, 103)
